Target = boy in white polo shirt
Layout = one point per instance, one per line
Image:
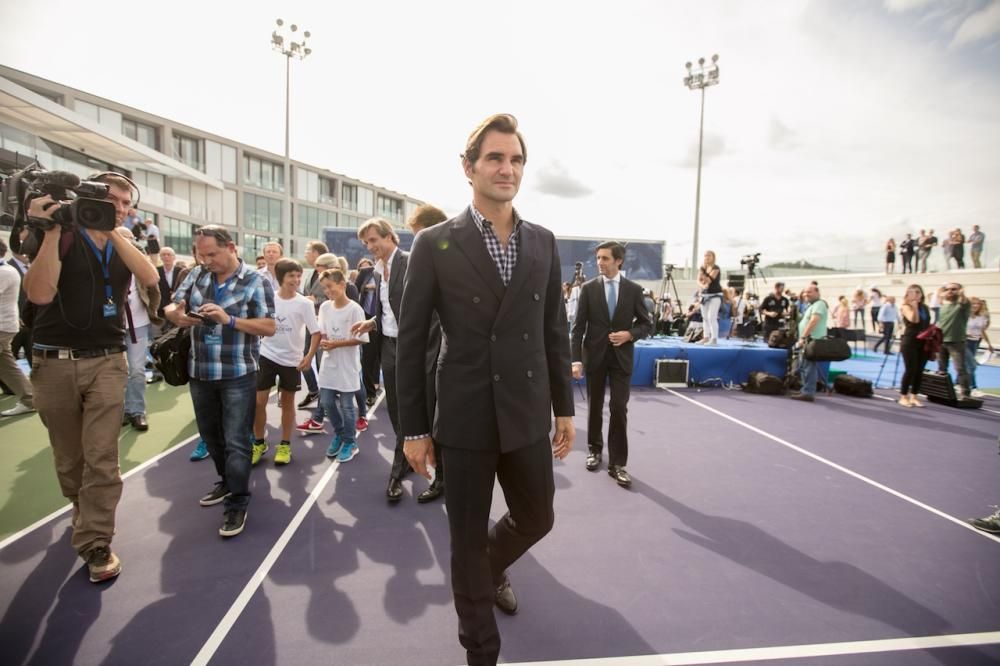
(281, 358)
(339, 375)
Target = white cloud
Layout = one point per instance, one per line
(908, 5)
(979, 26)
(553, 178)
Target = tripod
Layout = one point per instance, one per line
(895, 370)
(668, 283)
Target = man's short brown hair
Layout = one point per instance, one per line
(380, 225)
(425, 216)
(501, 122)
(319, 247)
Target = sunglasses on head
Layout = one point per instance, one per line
(215, 232)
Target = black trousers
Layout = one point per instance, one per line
(914, 360)
(888, 328)
(480, 555)
(907, 263)
(621, 385)
(370, 367)
(387, 351)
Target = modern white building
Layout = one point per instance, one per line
(188, 177)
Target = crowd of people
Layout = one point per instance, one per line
(465, 336)
(913, 253)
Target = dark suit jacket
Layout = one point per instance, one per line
(167, 290)
(364, 277)
(503, 367)
(397, 277)
(592, 324)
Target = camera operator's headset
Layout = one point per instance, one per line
(99, 177)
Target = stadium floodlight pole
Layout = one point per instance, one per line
(699, 80)
(290, 49)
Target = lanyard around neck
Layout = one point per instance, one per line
(104, 260)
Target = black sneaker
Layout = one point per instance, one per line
(234, 522)
(217, 494)
(310, 398)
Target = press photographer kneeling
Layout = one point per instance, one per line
(77, 283)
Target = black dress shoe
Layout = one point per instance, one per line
(433, 491)
(395, 490)
(505, 599)
(139, 422)
(593, 461)
(618, 473)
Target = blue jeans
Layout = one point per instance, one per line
(340, 408)
(971, 347)
(361, 397)
(808, 372)
(224, 410)
(135, 389)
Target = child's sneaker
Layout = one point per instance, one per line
(283, 454)
(333, 450)
(258, 451)
(309, 426)
(347, 451)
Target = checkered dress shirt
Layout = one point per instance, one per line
(505, 260)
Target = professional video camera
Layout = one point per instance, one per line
(668, 269)
(87, 206)
(750, 260)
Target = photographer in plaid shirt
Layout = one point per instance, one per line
(227, 305)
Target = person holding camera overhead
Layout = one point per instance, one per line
(711, 298)
(78, 282)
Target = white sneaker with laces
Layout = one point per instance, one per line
(976, 393)
(17, 410)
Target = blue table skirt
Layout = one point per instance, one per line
(730, 360)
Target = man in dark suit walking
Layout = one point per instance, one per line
(503, 371)
(610, 317)
(169, 278)
(382, 241)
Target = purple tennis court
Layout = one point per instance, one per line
(758, 530)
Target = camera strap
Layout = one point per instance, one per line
(110, 310)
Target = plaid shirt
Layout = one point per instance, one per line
(248, 296)
(505, 260)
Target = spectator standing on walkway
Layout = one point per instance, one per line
(976, 240)
(907, 248)
(890, 256)
(143, 305)
(709, 275)
(975, 333)
(228, 306)
(875, 300)
(916, 318)
(926, 244)
(858, 308)
(10, 373)
(958, 248)
(841, 317)
(955, 309)
(152, 239)
(935, 303)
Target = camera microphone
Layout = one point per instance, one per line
(64, 179)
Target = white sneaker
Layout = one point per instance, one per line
(17, 410)
(976, 393)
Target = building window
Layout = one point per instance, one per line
(104, 117)
(253, 246)
(261, 213)
(391, 209)
(312, 221)
(141, 132)
(328, 190)
(366, 201)
(351, 221)
(190, 151)
(177, 234)
(349, 196)
(263, 174)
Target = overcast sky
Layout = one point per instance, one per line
(836, 124)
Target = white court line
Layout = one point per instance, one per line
(782, 652)
(227, 622)
(982, 409)
(58, 512)
(841, 468)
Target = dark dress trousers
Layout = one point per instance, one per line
(603, 362)
(502, 371)
(368, 298)
(387, 353)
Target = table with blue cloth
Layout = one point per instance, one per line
(729, 361)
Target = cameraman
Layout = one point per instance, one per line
(77, 283)
(774, 309)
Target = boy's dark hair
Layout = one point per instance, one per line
(285, 266)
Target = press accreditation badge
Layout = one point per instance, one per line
(110, 310)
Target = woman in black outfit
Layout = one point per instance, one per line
(916, 318)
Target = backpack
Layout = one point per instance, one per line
(851, 385)
(764, 384)
(780, 339)
(170, 355)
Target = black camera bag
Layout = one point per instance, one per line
(827, 349)
(170, 355)
(780, 339)
(765, 384)
(851, 385)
